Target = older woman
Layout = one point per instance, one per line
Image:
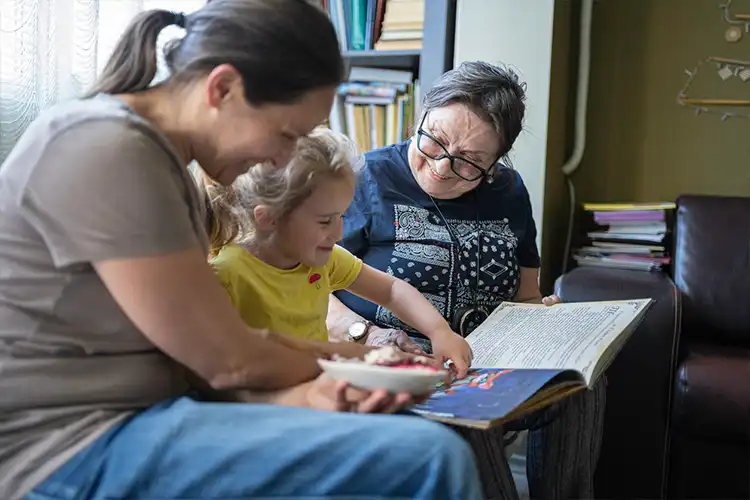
(440, 212)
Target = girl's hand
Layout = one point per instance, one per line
(551, 300)
(449, 345)
(324, 393)
(381, 337)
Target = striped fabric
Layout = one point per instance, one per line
(563, 448)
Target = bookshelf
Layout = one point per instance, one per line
(432, 60)
(379, 103)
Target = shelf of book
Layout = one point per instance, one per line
(376, 107)
(396, 34)
(391, 47)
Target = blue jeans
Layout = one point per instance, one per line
(199, 450)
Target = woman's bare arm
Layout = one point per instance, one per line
(528, 288)
(177, 302)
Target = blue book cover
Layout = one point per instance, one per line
(358, 21)
(369, 24)
(488, 396)
(347, 4)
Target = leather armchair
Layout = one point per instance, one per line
(710, 452)
(678, 403)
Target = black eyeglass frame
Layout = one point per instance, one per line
(483, 173)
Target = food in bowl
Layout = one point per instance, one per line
(395, 358)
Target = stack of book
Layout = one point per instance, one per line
(375, 107)
(627, 236)
(377, 24)
(403, 24)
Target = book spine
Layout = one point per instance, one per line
(358, 24)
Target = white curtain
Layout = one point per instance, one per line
(51, 50)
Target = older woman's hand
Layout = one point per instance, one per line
(381, 337)
(448, 345)
(551, 300)
(325, 393)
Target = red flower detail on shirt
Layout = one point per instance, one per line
(313, 278)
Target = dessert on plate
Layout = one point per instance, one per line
(387, 368)
(393, 357)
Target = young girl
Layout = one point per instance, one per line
(274, 234)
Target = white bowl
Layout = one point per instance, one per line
(415, 381)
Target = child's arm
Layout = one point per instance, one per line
(412, 308)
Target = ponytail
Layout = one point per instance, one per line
(261, 39)
(133, 64)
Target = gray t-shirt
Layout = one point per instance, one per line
(89, 181)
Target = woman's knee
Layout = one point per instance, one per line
(426, 440)
(431, 451)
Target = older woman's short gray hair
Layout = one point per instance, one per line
(494, 93)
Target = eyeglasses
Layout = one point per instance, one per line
(434, 149)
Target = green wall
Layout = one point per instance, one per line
(641, 145)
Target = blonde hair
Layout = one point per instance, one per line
(230, 210)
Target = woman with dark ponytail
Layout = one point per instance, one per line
(109, 310)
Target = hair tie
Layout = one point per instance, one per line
(180, 20)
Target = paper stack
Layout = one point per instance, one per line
(627, 236)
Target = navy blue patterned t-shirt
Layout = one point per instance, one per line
(458, 253)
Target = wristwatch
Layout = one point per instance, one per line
(358, 330)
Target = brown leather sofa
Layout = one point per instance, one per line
(678, 408)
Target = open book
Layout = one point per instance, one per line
(528, 356)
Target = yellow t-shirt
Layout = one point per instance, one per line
(291, 301)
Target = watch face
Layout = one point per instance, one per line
(357, 330)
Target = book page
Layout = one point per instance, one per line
(564, 336)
